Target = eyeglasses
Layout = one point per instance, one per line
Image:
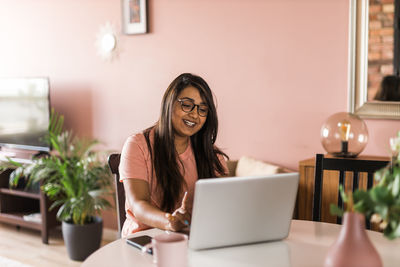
(187, 106)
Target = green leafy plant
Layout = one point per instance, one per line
(381, 203)
(74, 177)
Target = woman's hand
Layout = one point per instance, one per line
(180, 218)
(138, 196)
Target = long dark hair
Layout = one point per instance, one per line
(390, 89)
(163, 153)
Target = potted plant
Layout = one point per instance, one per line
(352, 247)
(381, 203)
(78, 181)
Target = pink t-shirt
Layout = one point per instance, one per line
(136, 163)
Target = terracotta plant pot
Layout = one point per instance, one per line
(353, 247)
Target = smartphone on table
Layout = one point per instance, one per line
(139, 242)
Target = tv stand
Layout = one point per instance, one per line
(18, 205)
(40, 154)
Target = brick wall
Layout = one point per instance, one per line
(380, 43)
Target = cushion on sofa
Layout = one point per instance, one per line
(248, 166)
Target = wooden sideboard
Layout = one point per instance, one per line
(329, 188)
(15, 203)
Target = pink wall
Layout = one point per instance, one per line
(277, 68)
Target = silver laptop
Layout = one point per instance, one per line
(242, 210)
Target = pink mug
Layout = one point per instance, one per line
(169, 249)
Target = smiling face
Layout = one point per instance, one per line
(187, 124)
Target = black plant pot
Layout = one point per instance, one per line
(82, 240)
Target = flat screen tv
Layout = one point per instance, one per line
(24, 113)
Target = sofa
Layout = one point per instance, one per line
(247, 166)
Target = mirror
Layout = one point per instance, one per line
(360, 100)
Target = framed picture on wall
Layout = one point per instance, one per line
(134, 16)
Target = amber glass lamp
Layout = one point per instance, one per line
(344, 135)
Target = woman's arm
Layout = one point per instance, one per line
(138, 196)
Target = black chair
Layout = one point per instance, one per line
(342, 165)
(113, 163)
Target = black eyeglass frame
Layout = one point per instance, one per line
(194, 105)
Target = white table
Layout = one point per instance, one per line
(306, 245)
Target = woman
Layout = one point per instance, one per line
(160, 166)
